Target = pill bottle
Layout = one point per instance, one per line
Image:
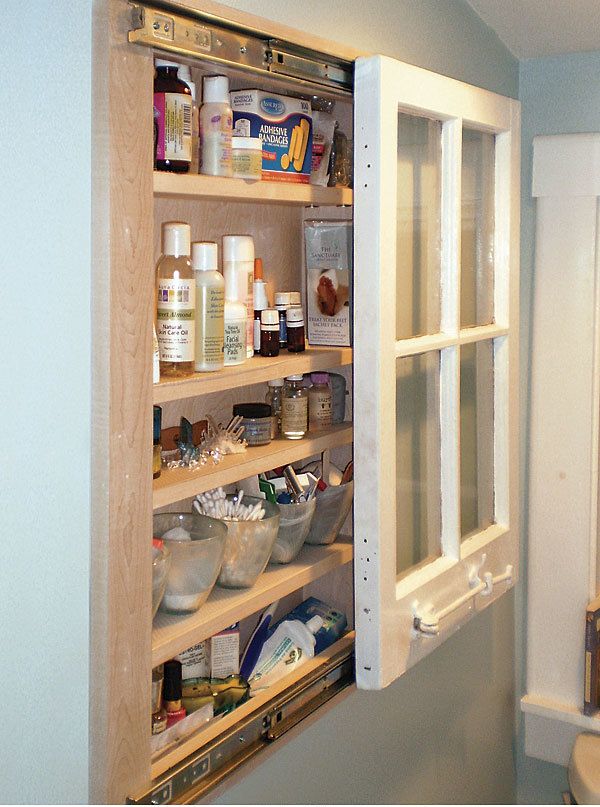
(319, 402)
(256, 420)
(294, 408)
(246, 157)
(282, 302)
(185, 74)
(238, 270)
(175, 302)
(295, 329)
(273, 398)
(216, 126)
(172, 119)
(269, 333)
(210, 305)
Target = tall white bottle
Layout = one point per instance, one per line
(216, 127)
(210, 304)
(238, 271)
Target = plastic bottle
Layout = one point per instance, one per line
(261, 300)
(185, 74)
(274, 398)
(294, 408)
(235, 332)
(216, 127)
(319, 403)
(291, 644)
(210, 303)
(172, 119)
(238, 270)
(175, 302)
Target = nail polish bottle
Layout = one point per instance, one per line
(172, 692)
(159, 716)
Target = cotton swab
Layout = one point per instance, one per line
(214, 503)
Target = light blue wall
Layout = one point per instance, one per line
(45, 125)
(559, 95)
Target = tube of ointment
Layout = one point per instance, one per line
(292, 643)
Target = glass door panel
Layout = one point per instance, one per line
(418, 494)
(477, 229)
(418, 226)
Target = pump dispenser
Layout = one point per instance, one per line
(175, 302)
(210, 301)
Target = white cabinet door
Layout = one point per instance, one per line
(436, 348)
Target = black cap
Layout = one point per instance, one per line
(172, 683)
(252, 410)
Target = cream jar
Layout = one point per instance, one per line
(246, 157)
(256, 422)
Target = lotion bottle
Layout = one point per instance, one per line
(210, 301)
(175, 302)
(216, 127)
(238, 270)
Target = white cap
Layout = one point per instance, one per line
(165, 63)
(294, 377)
(269, 316)
(294, 314)
(260, 295)
(315, 623)
(176, 238)
(275, 382)
(295, 298)
(282, 298)
(204, 256)
(238, 248)
(215, 90)
(246, 143)
(185, 74)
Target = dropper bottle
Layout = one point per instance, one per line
(260, 300)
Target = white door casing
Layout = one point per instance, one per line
(400, 619)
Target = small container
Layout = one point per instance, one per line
(248, 547)
(172, 692)
(282, 303)
(269, 333)
(256, 422)
(157, 448)
(295, 329)
(294, 408)
(294, 526)
(319, 402)
(333, 506)
(195, 562)
(261, 302)
(246, 157)
(273, 398)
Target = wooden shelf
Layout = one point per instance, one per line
(172, 634)
(176, 484)
(254, 371)
(174, 754)
(200, 186)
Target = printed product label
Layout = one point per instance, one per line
(176, 319)
(235, 342)
(215, 143)
(173, 126)
(195, 662)
(320, 409)
(294, 415)
(209, 327)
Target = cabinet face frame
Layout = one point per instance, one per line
(390, 609)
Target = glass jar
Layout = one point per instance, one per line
(273, 398)
(294, 408)
(256, 422)
(320, 410)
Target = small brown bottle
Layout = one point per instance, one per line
(295, 329)
(172, 103)
(269, 332)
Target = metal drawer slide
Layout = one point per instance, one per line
(203, 770)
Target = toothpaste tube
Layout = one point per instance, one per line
(292, 644)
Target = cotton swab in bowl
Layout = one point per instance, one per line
(214, 503)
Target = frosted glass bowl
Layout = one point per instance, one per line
(248, 547)
(195, 562)
(161, 560)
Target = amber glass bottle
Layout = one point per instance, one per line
(172, 119)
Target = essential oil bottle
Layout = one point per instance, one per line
(294, 408)
(172, 119)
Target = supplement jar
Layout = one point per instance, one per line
(246, 157)
(256, 422)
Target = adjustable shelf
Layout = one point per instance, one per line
(202, 186)
(176, 484)
(256, 370)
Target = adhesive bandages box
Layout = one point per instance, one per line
(328, 246)
(285, 127)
